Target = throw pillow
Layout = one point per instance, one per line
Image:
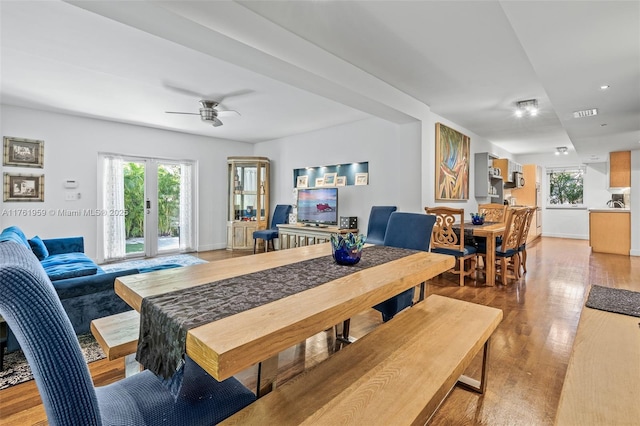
(38, 248)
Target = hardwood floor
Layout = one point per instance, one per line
(529, 353)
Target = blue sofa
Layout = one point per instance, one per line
(85, 290)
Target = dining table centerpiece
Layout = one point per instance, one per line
(347, 249)
(477, 218)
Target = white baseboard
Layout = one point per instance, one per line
(210, 247)
(571, 236)
(634, 252)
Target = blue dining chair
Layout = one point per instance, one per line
(378, 220)
(280, 216)
(410, 231)
(31, 307)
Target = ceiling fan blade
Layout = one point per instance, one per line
(181, 90)
(220, 98)
(178, 112)
(228, 113)
(216, 122)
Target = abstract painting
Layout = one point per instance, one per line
(452, 164)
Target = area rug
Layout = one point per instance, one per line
(145, 265)
(17, 370)
(615, 300)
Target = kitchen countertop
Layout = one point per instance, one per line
(609, 210)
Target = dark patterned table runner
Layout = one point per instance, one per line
(166, 318)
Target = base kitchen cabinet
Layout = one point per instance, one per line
(610, 231)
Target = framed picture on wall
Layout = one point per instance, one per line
(18, 187)
(302, 181)
(341, 181)
(452, 164)
(23, 152)
(319, 181)
(362, 178)
(330, 179)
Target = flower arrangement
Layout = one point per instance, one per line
(347, 249)
(477, 218)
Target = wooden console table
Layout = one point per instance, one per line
(299, 235)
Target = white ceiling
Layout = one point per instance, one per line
(298, 66)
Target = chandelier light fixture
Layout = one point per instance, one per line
(562, 150)
(527, 108)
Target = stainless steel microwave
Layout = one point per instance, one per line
(518, 180)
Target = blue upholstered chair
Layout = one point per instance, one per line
(378, 219)
(280, 216)
(32, 309)
(410, 231)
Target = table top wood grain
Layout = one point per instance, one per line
(232, 344)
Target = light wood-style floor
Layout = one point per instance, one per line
(529, 354)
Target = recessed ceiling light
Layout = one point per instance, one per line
(562, 150)
(585, 113)
(604, 87)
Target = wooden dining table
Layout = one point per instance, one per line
(229, 345)
(490, 231)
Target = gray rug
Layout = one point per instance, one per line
(16, 370)
(614, 300)
(151, 263)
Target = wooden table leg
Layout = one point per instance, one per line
(267, 372)
(491, 261)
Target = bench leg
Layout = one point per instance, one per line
(131, 366)
(267, 372)
(344, 337)
(475, 385)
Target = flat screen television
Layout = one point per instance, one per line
(318, 206)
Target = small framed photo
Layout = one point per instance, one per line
(319, 181)
(23, 152)
(330, 179)
(362, 178)
(341, 181)
(302, 181)
(19, 187)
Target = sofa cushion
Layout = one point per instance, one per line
(15, 234)
(68, 265)
(38, 248)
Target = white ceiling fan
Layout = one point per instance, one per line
(209, 113)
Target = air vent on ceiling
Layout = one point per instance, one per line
(585, 113)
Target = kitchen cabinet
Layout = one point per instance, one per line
(528, 195)
(507, 168)
(610, 231)
(620, 169)
(248, 205)
(487, 182)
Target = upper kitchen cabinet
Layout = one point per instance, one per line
(620, 169)
(487, 179)
(511, 172)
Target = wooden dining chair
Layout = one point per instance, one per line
(493, 212)
(445, 240)
(522, 244)
(507, 254)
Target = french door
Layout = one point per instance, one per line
(156, 197)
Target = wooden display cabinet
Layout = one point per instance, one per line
(248, 205)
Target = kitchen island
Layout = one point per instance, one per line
(610, 230)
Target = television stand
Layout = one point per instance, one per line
(300, 235)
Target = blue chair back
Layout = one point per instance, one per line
(30, 306)
(378, 220)
(280, 215)
(410, 230)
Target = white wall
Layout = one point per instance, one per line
(71, 147)
(393, 153)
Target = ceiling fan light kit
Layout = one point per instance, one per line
(208, 112)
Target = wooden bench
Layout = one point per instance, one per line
(118, 337)
(398, 374)
(601, 386)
